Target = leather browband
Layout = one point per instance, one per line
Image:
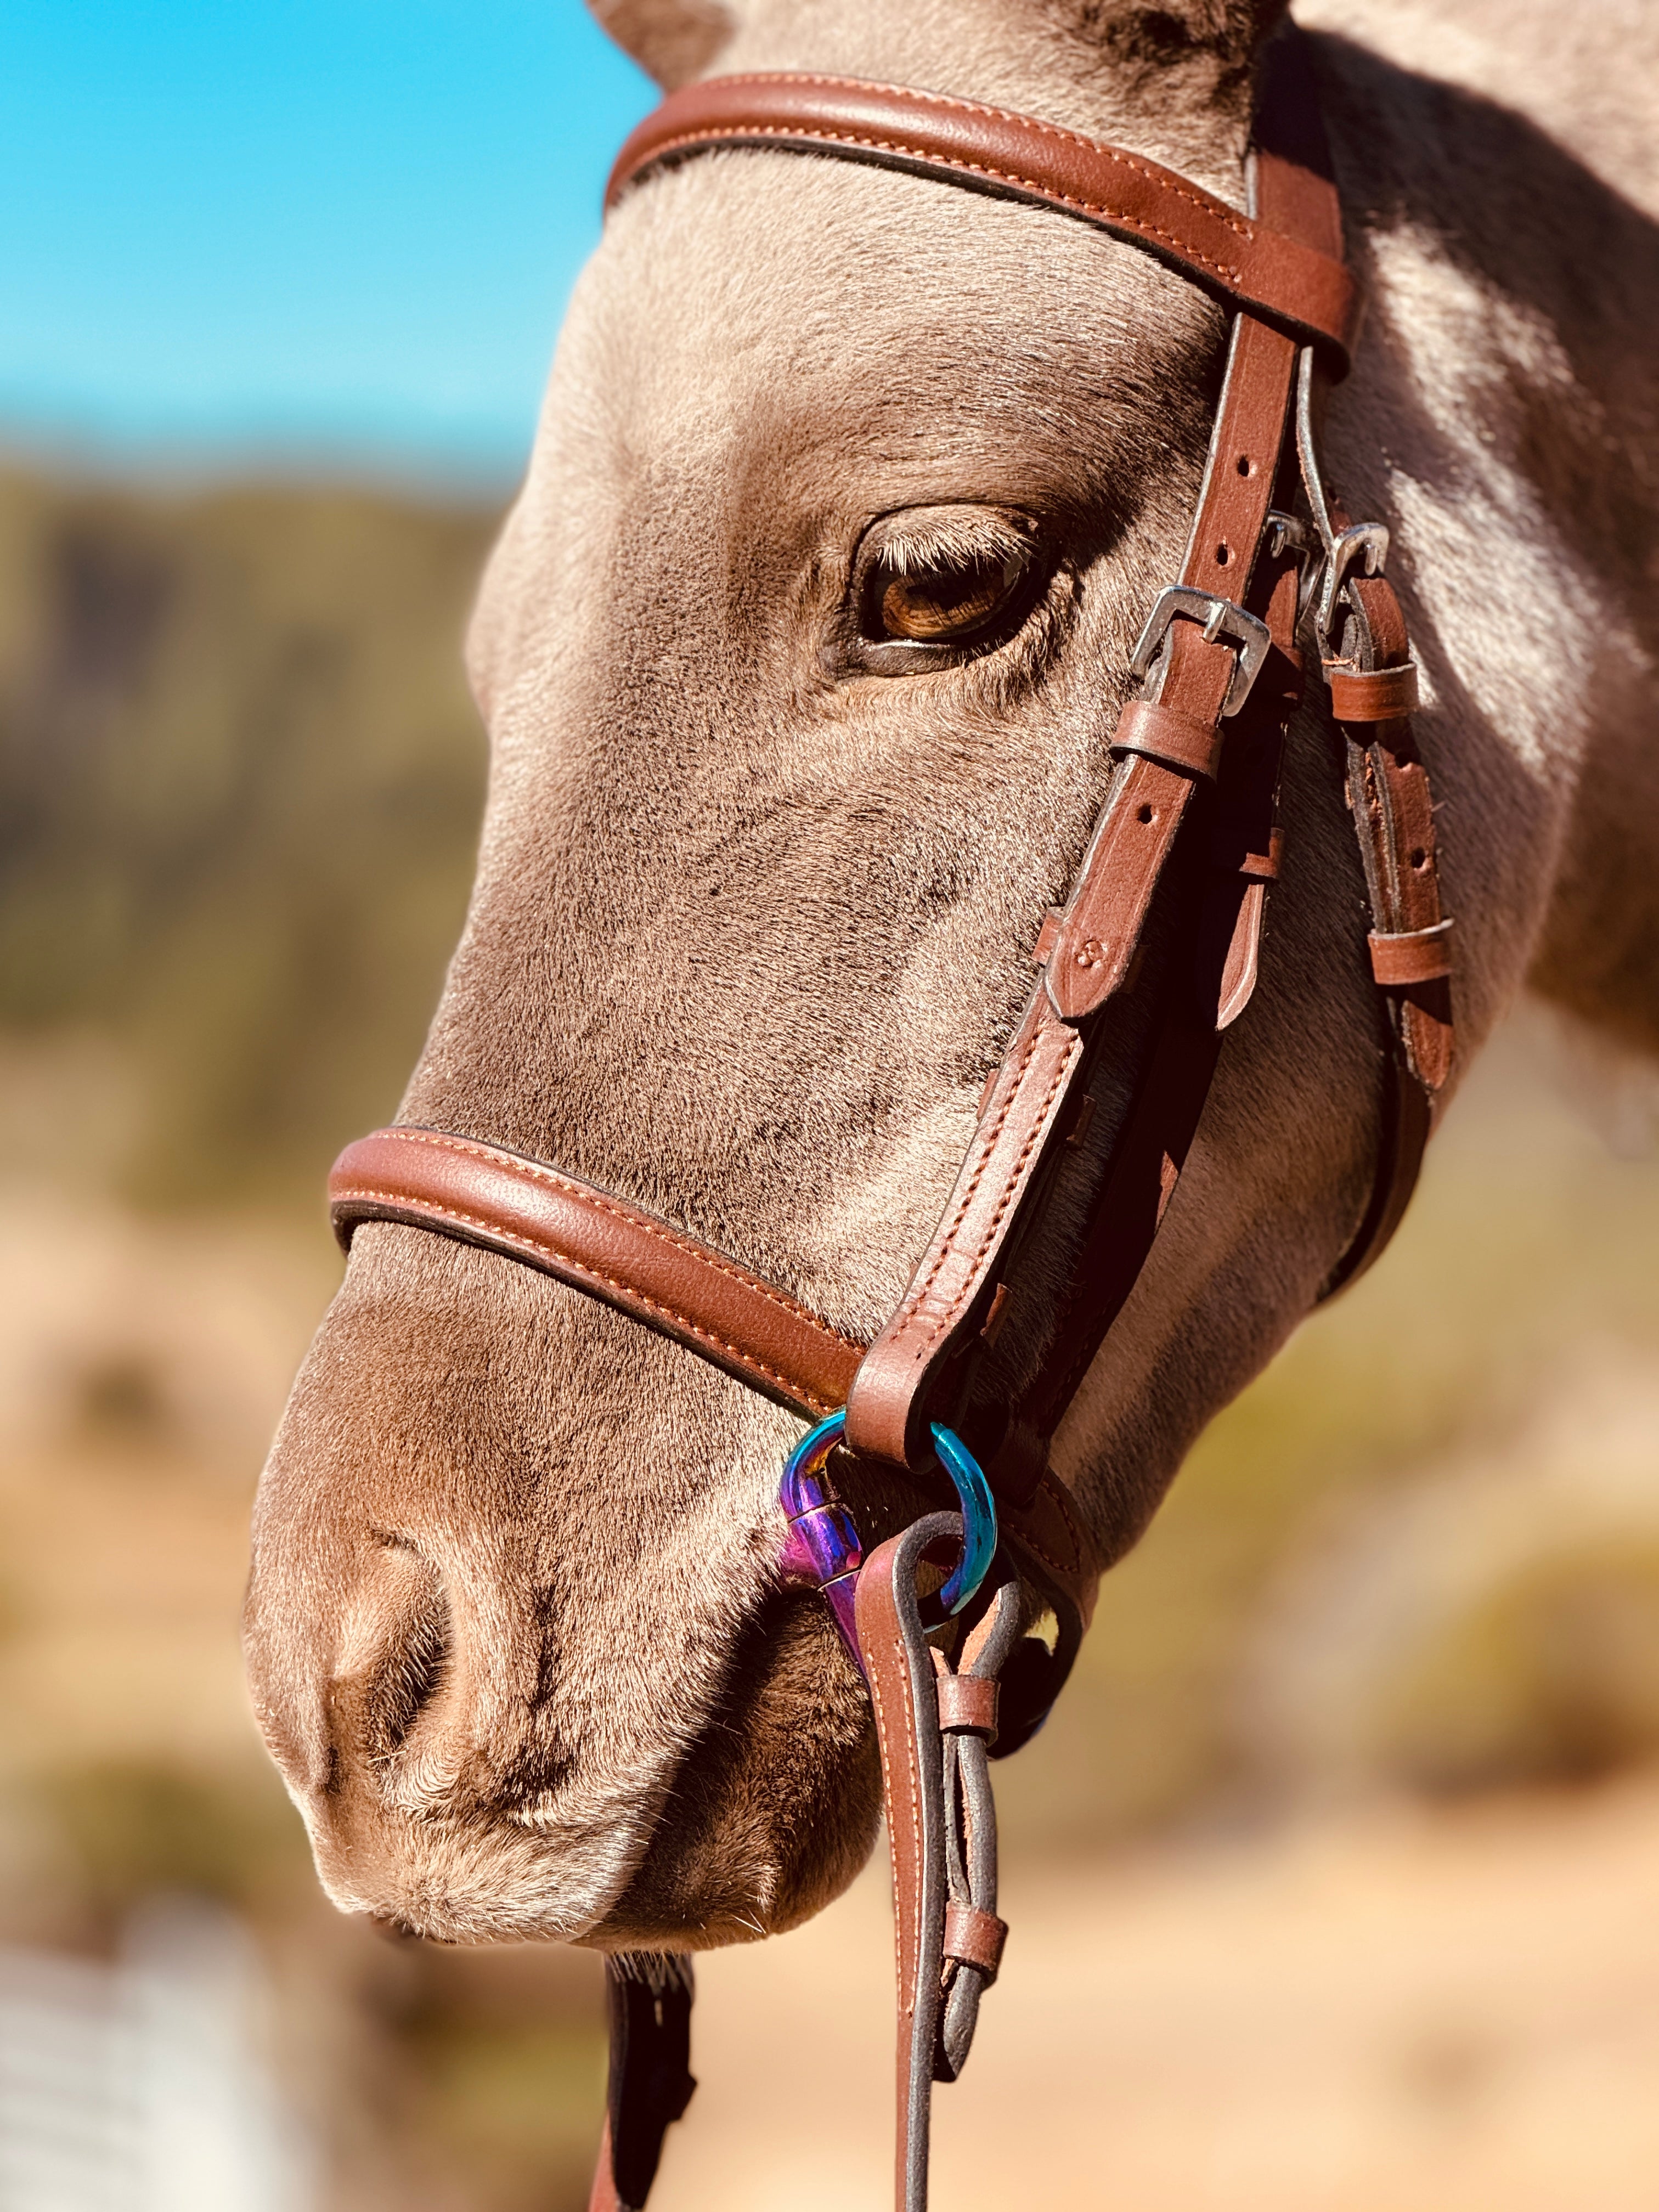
(1284, 280)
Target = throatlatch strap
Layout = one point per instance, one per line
(1374, 691)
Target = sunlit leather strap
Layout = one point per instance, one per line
(600, 1243)
(1300, 291)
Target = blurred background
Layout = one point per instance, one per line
(1335, 1880)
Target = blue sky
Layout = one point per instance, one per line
(335, 232)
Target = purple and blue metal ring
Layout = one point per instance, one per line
(823, 1545)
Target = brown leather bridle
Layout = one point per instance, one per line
(1153, 957)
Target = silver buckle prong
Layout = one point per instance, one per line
(1287, 533)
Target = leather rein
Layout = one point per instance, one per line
(1071, 1166)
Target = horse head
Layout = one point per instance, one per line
(801, 653)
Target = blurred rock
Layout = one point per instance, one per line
(1493, 1621)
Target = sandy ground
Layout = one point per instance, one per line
(142, 1365)
(1397, 2012)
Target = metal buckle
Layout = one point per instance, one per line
(1219, 617)
(1342, 547)
(1371, 538)
(1284, 531)
(1287, 533)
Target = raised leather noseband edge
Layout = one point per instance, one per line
(605, 1245)
(1308, 293)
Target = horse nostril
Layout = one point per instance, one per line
(415, 1641)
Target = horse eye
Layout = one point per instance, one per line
(943, 604)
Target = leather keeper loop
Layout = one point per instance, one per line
(1400, 958)
(1372, 695)
(1260, 867)
(975, 1938)
(968, 1706)
(1164, 733)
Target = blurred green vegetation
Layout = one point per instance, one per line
(123, 1829)
(239, 784)
(1529, 1249)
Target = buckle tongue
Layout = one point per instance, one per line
(1368, 540)
(1219, 618)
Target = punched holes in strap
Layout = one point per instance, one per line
(1403, 957)
(1372, 695)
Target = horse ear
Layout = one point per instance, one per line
(674, 40)
(1214, 42)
